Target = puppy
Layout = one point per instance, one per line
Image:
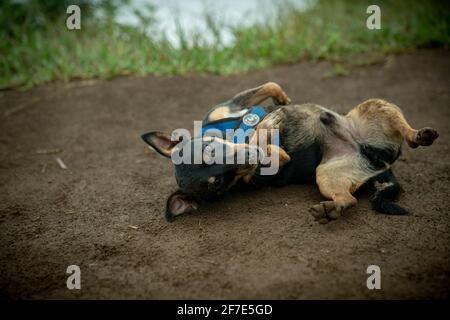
(338, 152)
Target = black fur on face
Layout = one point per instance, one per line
(207, 181)
(204, 181)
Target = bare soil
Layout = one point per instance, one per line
(105, 211)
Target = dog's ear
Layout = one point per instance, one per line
(179, 203)
(160, 142)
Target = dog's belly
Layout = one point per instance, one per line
(337, 146)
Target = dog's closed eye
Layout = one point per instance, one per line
(214, 182)
(212, 179)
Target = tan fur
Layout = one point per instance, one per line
(375, 122)
(269, 90)
(343, 169)
(247, 99)
(219, 113)
(381, 122)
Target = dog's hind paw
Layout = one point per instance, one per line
(317, 211)
(326, 211)
(426, 136)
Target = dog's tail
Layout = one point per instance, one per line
(387, 190)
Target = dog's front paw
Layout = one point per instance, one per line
(426, 136)
(319, 213)
(282, 98)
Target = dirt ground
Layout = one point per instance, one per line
(104, 213)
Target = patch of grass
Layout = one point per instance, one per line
(330, 29)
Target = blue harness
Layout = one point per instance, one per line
(248, 121)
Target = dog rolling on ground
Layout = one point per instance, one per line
(338, 152)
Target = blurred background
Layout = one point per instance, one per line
(78, 186)
(122, 37)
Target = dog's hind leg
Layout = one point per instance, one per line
(338, 190)
(247, 99)
(387, 190)
(337, 179)
(377, 113)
